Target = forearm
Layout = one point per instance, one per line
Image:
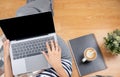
(61, 71)
(7, 67)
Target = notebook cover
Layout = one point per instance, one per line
(78, 45)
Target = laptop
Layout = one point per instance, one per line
(28, 36)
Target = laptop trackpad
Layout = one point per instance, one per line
(35, 63)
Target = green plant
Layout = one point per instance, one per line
(112, 42)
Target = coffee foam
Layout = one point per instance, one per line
(90, 54)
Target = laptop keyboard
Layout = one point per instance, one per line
(30, 48)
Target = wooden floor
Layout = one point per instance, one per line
(74, 18)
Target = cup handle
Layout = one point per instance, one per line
(84, 60)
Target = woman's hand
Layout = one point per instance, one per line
(54, 58)
(54, 54)
(7, 63)
(6, 46)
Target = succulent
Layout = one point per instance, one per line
(112, 42)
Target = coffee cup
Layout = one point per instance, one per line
(90, 54)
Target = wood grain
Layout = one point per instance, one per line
(74, 18)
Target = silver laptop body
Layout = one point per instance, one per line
(29, 63)
(26, 52)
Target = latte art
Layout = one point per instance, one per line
(90, 54)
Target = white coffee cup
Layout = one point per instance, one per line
(90, 54)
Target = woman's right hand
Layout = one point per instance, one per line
(54, 54)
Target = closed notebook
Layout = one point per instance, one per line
(78, 45)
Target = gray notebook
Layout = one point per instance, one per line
(78, 45)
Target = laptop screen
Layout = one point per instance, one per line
(28, 26)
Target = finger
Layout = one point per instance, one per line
(46, 56)
(48, 47)
(59, 49)
(6, 45)
(52, 45)
(56, 46)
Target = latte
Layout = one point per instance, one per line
(90, 54)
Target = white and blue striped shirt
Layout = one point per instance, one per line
(67, 65)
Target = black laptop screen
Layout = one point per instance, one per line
(28, 26)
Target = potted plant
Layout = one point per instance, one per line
(112, 42)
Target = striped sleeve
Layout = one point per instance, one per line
(67, 65)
